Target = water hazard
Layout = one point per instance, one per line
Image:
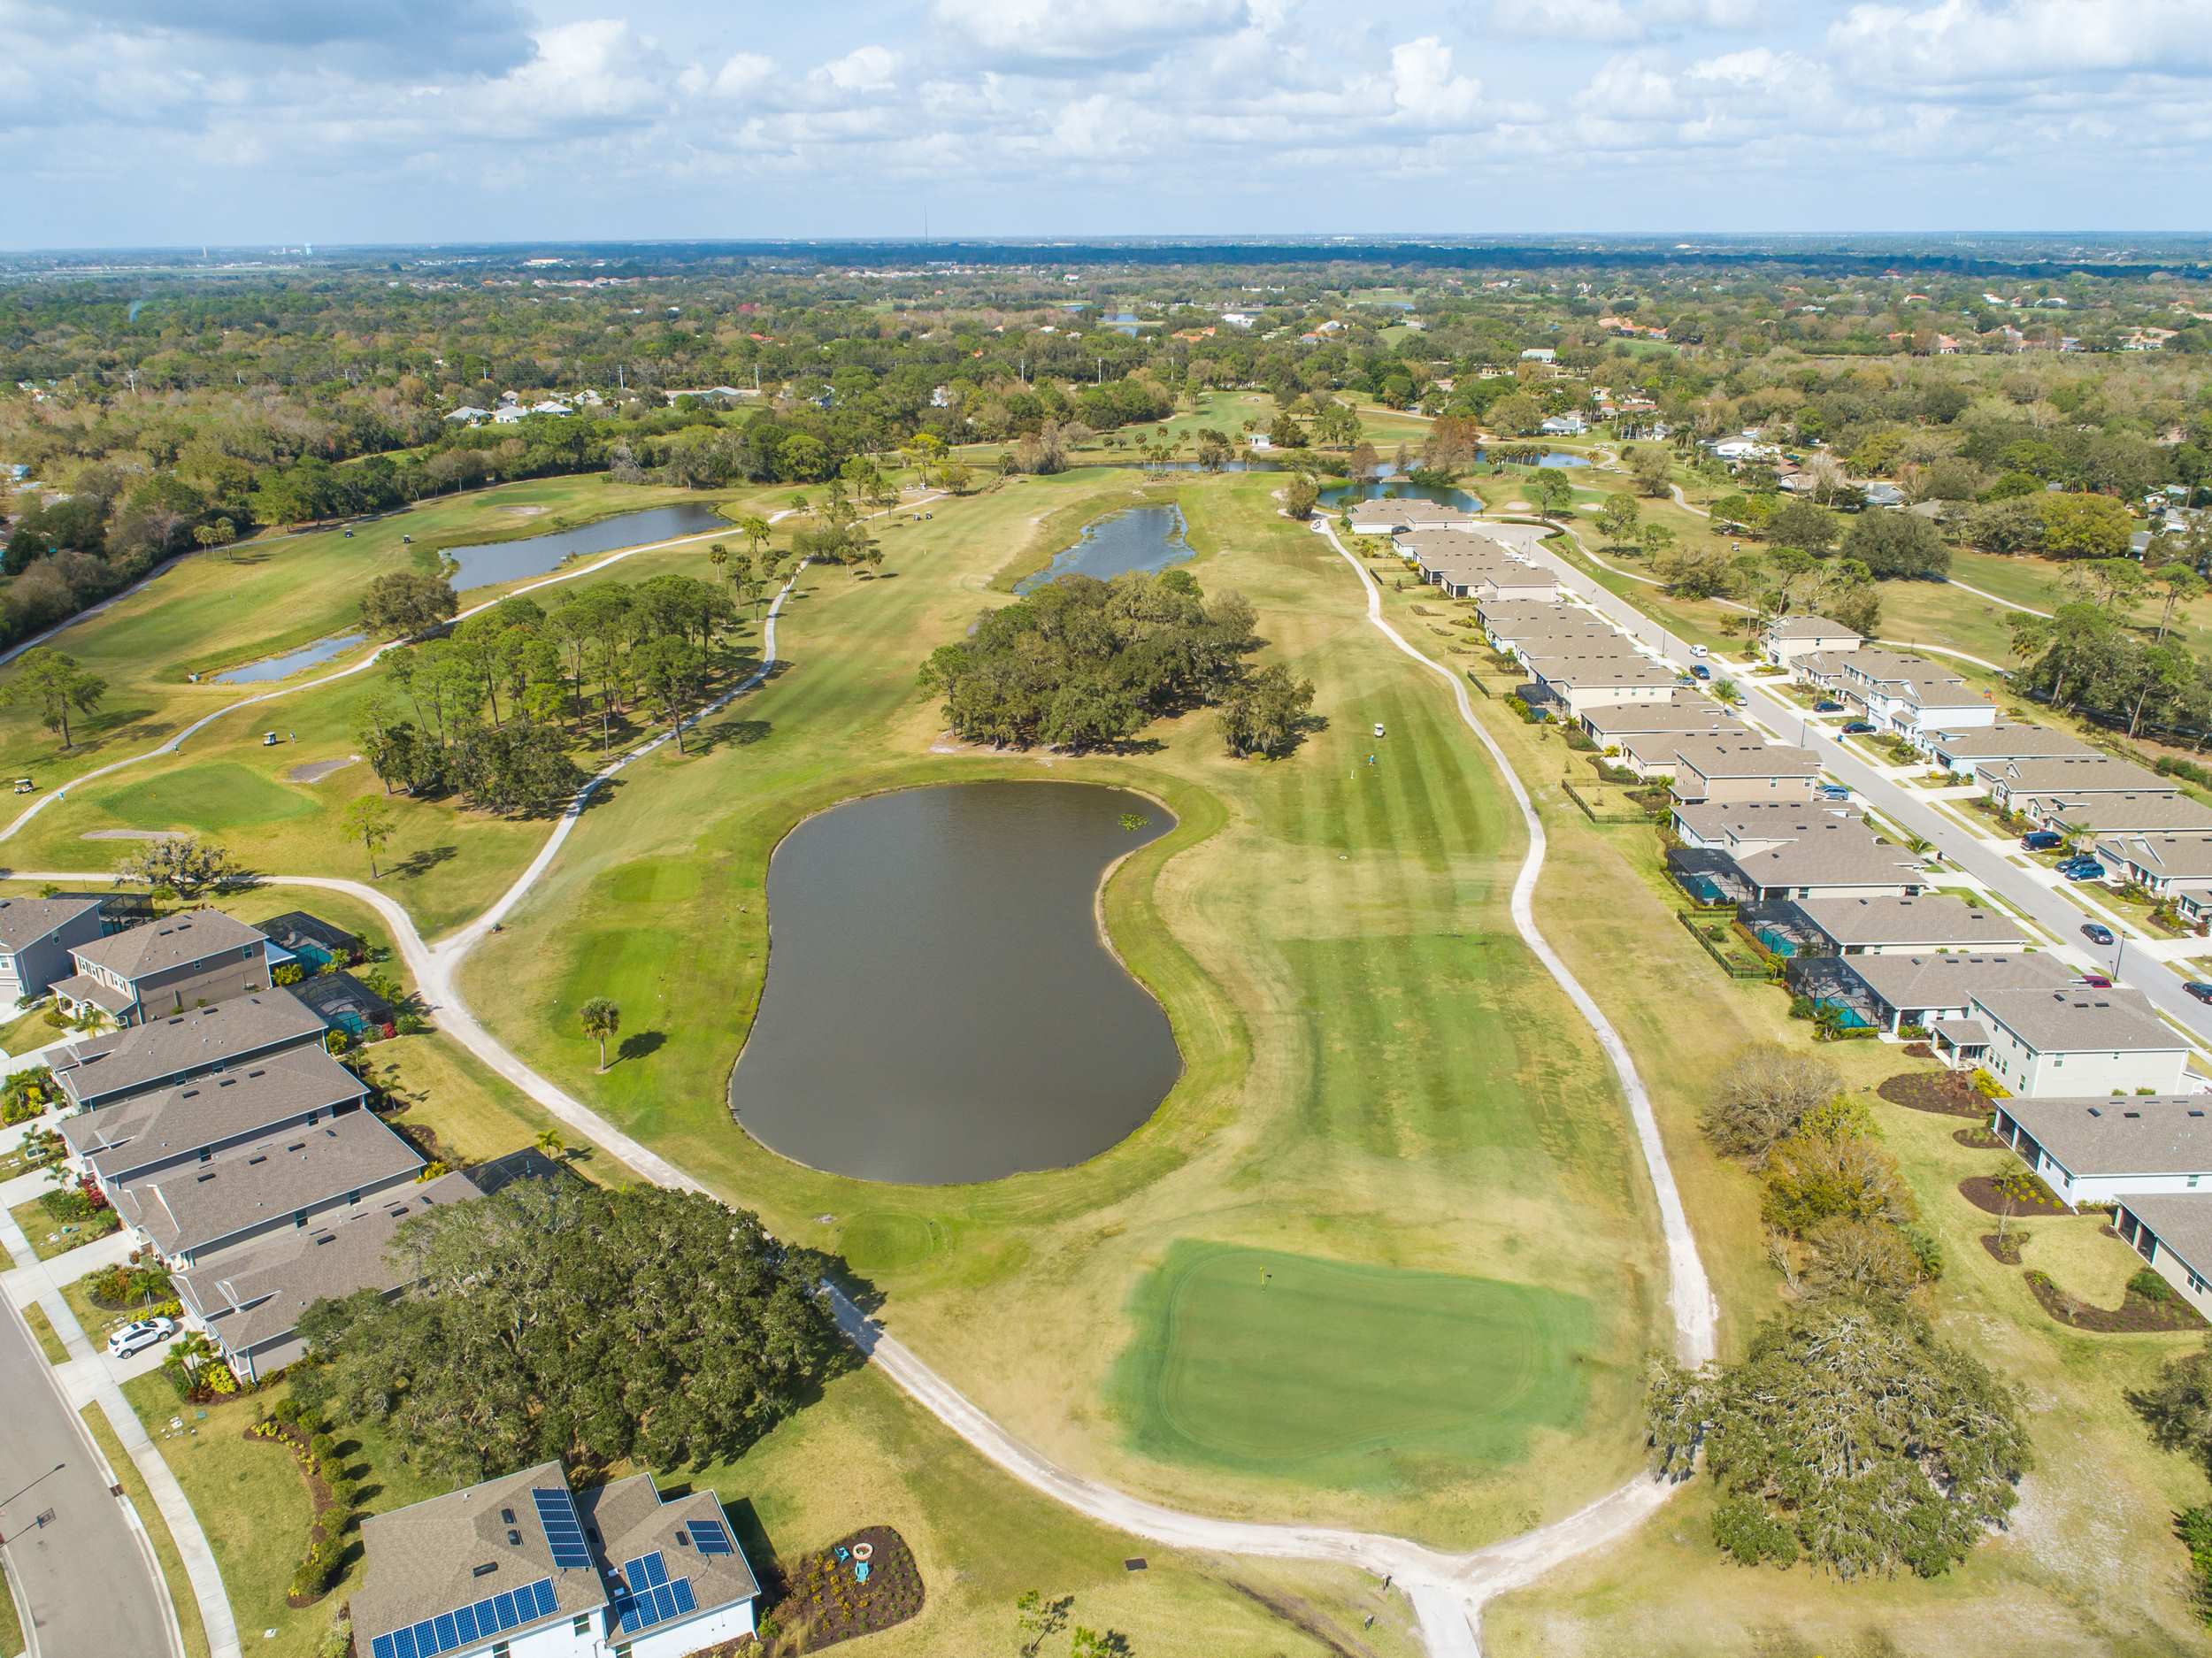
(940, 1005)
(1142, 538)
(485, 563)
(279, 667)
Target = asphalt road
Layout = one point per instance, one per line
(1905, 809)
(84, 1577)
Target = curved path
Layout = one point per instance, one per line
(1447, 1591)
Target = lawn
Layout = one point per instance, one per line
(48, 1339)
(51, 1238)
(1376, 1071)
(172, 1572)
(1238, 1363)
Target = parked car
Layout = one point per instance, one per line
(2043, 841)
(1699, 671)
(1698, 650)
(136, 1337)
(2097, 933)
(2097, 981)
(2198, 988)
(2087, 869)
(1834, 791)
(1857, 728)
(1828, 705)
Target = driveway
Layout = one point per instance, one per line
(85, 1577)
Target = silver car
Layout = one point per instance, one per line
(136, 1337)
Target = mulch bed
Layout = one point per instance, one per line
(1977, 1138)
(2004, 1251)
(2136, 1315)
(1982, 1191)
(824, 1604)
(1943, 1094)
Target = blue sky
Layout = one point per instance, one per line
(138, 122)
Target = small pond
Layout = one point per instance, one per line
(483, 563)
(940, 1006)
(1142, 538)
(278, 667)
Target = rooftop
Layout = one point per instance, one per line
(2094, 814)
(2164, 1133)
(1839, 853)
(168, 1122)
(2081, 773)
(24, 921)
(1747, 755)
(2183, 1221)
(2077, 1018)
(634, 1520)
(258, 1292)
(146, 1056)
(1677, 713)
(196, 1204)
(2175, 857)
(178, 941)
(1910, 983)
(1809, 627)
(1409, 510)
(2008, 741)
(1933, 919)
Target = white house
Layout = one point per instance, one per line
(469, 414)
(1563, 426)
(2173, 1233)
(1539, 354)
(1786, 638)
(522, 1567)
(1407, 515)
(1579, 681)
(2094, 1150)
(2073, 1039)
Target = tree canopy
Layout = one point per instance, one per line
(558, 1320)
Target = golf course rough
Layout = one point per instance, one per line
(1343, 1376)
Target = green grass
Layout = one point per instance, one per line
(30, 1030)
(38, 1226)
(172, 1571)
(11, 1619)
(43, 1329)
(1239, 1363)
(216, 798)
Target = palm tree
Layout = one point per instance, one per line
(548, 1141)
(601, 1019)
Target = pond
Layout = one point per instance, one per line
(1142, 538)
(940, 1005)
(483, 563)
(278, 667)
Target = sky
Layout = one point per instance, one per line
(138, 123)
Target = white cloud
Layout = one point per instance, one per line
(1425, 89)
(741, 72)
(1044, 32)
(1614, 21)
(1959, 41)
(863, 69)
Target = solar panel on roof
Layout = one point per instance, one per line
(652, 1597)
(563, 1532)
(464, 1626)
(708, 1538)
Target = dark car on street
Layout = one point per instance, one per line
(1857, 728)
(2043, 841)
(2198, 988)
(2097, 933)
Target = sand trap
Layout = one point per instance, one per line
(133, 835)
(1517, 506)
(524, 512)
(316, 770)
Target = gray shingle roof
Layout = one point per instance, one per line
(255, 1293)
(82, 987)
(1933, 919)
(1809, 627)
(2101, 773)
(1962, 1032)
(2091, 814)
(633, 1519)
(2165, 1134)
(2080, 1019)
(1842, 852)
(1912, 982)
(198, 1204)
(122, 1062)
(24, 921)
(178, 941)
(1681, 712)
(2175, 857)
(2008, 742)
(424, 1558)
(165, 1123)
(1748, 756)
(2182, 1221)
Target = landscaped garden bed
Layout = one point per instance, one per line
(2015, 1191)
(827, 1600)
(2003, 1249)
(1977, 1138)
(322, 1471)
(52, 1234)
(2148, 1306)
(1942, 1093)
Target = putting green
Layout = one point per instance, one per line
(210, 798)
(1341, 1375)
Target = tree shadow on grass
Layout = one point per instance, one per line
(422, 861)
(641, 1045)
(732, 733)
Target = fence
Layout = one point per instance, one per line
(1733, 968)
(1593, 814)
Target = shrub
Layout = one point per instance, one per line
(20, 1109)
(288, 973)
(1763, 1096)
(322, 1446)
(1522, 711)
(1750, 1536)
(1811, 1177)
(2150, 1287)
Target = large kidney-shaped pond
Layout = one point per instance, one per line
(940, 1006)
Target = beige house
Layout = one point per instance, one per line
(1786, 638)
(1739, 769)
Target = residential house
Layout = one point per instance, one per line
(1563, 426)
(248, 1301)
(1740, 827)
(2075, 1040)
(1539, 354)
(193, 1121)
(347, 1004)
(1881, 495)
(1890, 992)
(1909, 694)
(469, 414)
(2094, 1150)
(1737, 769)
(1576, 681)
(1960, 752)
(1658, 754)
(1407, 514)
(2173, 1233)
(1786, 638)
(2174, 867)
(190, 959)
(36, 936)
(1931, 922)
(523, 1567)
(291, 1178)
(103, 1070)
(1682, 714)
(2089, 815)
(1841, 859)
(2075, 776)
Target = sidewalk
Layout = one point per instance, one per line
(91, 1377)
